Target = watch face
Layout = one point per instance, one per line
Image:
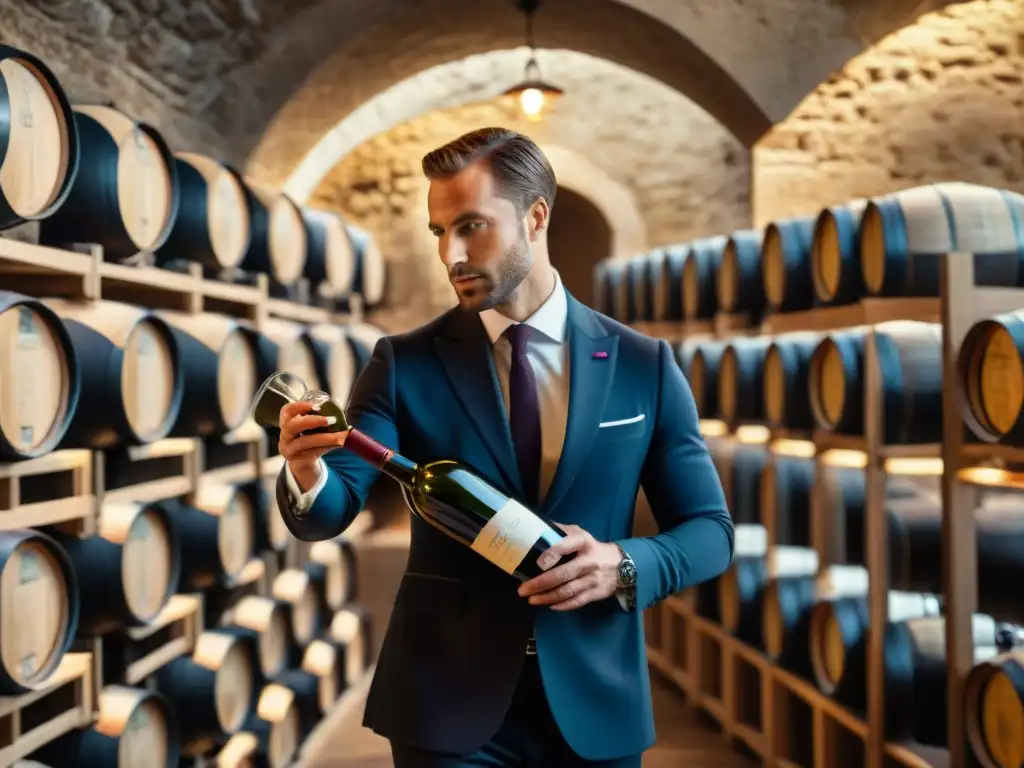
(627, 572)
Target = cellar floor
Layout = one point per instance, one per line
(684, 737)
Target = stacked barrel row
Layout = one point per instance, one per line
(104, 378)
(91, 174)
(264, 667)
(787, 404)
(103, 375)
(882, 247)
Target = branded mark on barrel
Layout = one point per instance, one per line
(29, 347)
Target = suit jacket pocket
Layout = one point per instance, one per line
(616, 430)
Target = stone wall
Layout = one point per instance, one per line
(940, 100)
(685, 174)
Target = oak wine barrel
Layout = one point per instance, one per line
(295, 350)
(843, 500)
(915, 674)
(213, 691)
(787, 609)
(278, 241)
(348, 634)
(39, 608)
(338, 358)
(331, 259)
(625, 291)
(683, 353)
(668, 284)
(786, 264)
(299, 591)
(746, 474)
(223, 362)
(128, 570)
(39, 146)
(839, 628)
(741, 379)
(903, 237)
(272, 534)
(241, 750)
(600, 288)
(614, 270)
(703, 377)
(126, 194)
(644, 267)
(787, 364)
(134, 728)
(217, 535)
(990, 373)
(267, 623)
(739, 287)
(700, 294)
(835, 254)
(363, 337)
(750, 543)
(132, 379)
(785, 498)
(276, 724)
(741, 589)
(334, 563)
(372, 269)
(329, 667)
(909, 360)
(994, 711)
(313, 690)
(212, 227)
(40, 380)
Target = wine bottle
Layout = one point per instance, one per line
(445, 494)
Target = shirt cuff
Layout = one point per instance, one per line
(622, 601)
(303, 501)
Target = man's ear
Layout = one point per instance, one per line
(537, 217)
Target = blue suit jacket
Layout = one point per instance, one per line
(455, 644)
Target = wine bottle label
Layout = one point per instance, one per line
(509, 535)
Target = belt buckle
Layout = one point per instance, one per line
(531, 646)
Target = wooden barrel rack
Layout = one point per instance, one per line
(152, 594)
(868, 618)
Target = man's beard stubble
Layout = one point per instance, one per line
(514, 268)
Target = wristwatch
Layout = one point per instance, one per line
(626, 586)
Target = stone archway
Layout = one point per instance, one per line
(578, 238)
(746, 62)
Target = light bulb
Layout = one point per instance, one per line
(531, 101)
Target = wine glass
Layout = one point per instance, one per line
(281, 388)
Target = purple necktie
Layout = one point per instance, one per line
(525, 412)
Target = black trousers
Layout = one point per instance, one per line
(528, 738)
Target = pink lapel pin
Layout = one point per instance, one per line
(600, 355)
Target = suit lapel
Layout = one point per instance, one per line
(592, 356)
(468, 362)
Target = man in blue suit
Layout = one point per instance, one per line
(561, 408)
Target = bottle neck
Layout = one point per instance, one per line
(380, 456)
(400, 468)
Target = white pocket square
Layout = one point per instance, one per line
(621, 422)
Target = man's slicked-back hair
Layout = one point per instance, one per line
(521, 171)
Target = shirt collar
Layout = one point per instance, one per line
(550, 318)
